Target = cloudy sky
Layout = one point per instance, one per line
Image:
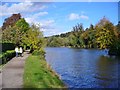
(59, 17)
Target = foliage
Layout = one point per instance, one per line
(39, 75)
(104, 35)
(34, 38)
(7, 46)
(21, 34)
(115, 47)
(76, 38)
(15, 33)
(40, 52)
(5, 57)
(10, 21)
(22, 25)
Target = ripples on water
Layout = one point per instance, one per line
(84, 68)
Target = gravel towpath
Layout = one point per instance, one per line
(11, 75)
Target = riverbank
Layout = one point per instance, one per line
(38, 74)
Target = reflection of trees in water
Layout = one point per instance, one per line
(107, 72)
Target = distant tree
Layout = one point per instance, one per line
(104, 33)
(85, 38)
(72, 40)
(102, 22)
(118, 26)
(91, 27)
(91, 35)
(115, 47)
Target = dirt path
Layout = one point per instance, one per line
(12, 73)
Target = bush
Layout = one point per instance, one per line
(7, 46)
(5, 57)
(39, 52)
(115, 49)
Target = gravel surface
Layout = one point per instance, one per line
(11, 75)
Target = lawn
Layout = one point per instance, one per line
(39, 75)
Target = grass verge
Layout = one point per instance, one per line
(39, 75)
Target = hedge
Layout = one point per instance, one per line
(5, 57)
(7, 46)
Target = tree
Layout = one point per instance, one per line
(72, 40)
(115, 47)
(15, 33)
(34, 38)
(91, 35)
(84, 39)
(7, 35)
(104, 33)
(22, 25)
(10, 21)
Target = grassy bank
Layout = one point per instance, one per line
(39, 75)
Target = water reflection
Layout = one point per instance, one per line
(84, 68)
(107, 72)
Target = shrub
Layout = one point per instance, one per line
(5, 57)
(39, 52)
(115, 48)
(7, 46)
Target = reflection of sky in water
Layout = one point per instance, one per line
(83, 68)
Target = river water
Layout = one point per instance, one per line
(84, 68)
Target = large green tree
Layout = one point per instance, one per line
(22, 25)
(15, 33)
(34, 38)
(24, 35)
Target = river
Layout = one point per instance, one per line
(84, 68)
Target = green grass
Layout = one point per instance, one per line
(39, 75)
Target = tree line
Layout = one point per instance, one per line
(103, 35)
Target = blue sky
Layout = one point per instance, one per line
(60, 17)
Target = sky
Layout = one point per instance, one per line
(60, 17)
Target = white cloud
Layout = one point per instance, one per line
(23, 7)
(42, 13)
(83, 17)
(30, 20)
(47, 22)
(62, 0)
(45, 25)
(50, 32)
(74, 16)
(35, 17)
